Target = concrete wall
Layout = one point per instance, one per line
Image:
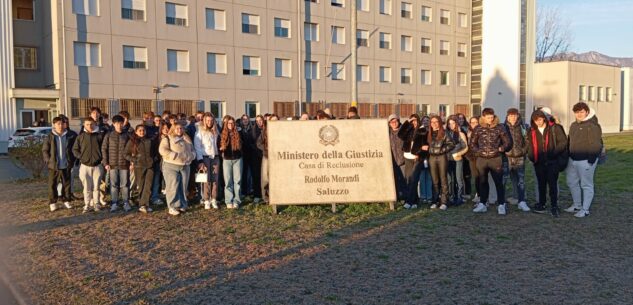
(7, 105)
(626, 95)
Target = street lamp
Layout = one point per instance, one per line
(159, 89)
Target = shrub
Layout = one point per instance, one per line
(27, 152)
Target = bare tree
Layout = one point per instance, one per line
(553, 34)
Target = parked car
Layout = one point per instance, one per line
(27, 133)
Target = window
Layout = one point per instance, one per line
(590, 94)
(133, 9)
(251, 108)
(338, 35)
(25, 58)
(311, 31)
(424, 109)
(216, 19)
(599, 96)
(406, 10)
(338, 71)
(311, 70)
(385, 7)
(426, 13)
(406, 43)
(216, 63)
(250, 65)
(86, 7)
(177, 61)
(609, 93)
(444, 47)
(362, 5)
(362, 73)
(23, 9)
(282, 28)
(384, 74)
(283, 67)
(362, 38)
(443, 110)
(463, 20)
(461, 79)
(313, 1)
(338, 3)
(134, 57)
(425, 46)
(405, 75)
(582, 93)
(461, 50)
(250, 24)
(175, 14)
(445, 17)
(217, 108)
(385, 40)
(425, 76)
(444, 78)
(87, 54)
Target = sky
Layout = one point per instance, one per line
(605, 26)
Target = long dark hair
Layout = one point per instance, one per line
(440, 131)
(234, 135)
(136, 140)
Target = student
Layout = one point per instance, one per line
(456, 161)
(415, 148)
(231, 149)
(473, 123)
(585, 147)
(547, 146)
(178, 153)
(70, 134)
(248, 165)
(516, 156)
(115, 164)
(262, 145)
(489, 141)
(425, 186)
(57, 153)
(87, 149)
(206, 145)
(440, 144)
(256, 169)
(397, 156)
(142, 153)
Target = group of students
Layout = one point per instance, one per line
(435, 161)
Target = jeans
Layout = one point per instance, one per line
(157, 182)
(439, 165)
(413, 168)
(580, 176)
(119, 183)
(425, 187)
(144, 180)
(90, 177)
(232, 180)
(210, 189)
(456, 180)
(54, 177)
(176, 181)
(517, 177)
(494, 167)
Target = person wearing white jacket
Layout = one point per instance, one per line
(177, 152)
(206, 144)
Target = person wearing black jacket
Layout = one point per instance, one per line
(57, 153)
(142, 153)
(415, 148)
(397, 156)
(489, 141)
(516, 156)
(547, 149)
(257, 156)
(440, 144)
(87, 149)
(248, 150)
(114, 162)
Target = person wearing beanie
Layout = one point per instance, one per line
(397, 156)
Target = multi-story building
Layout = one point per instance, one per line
(255, 56)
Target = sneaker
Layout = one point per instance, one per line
(539, 209)
(173, 212)
(555, 212)
(207, 205)
(257, 200)
(501, 209)
(443, 207)
(480, 208)
(573, 209)
(214, 204)
(142, 209)
(433, 206)
(127, 207)
(182, 210)
(114, 207)
(476, 199)
(86, 209)
(67, 205)
(53, 207)
(414, 206)
(407, 206)
(96, 207)
(102, 200)
(523, 206)
(236, 205)
(581, 214)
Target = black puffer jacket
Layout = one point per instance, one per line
(87, 148)
(414, 139)
(146, 155)
(113, 150)
(488, 138)
(519, 143)
(585, 139)
(441, 146)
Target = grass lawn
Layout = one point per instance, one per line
(364, 254)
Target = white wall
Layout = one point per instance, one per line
(7, 106)
(627, 99)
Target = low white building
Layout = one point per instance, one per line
(627, 98)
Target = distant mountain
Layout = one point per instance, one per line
(594, 58)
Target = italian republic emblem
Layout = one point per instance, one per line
(328, 135)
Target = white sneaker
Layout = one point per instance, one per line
(142, 209)
(53, 207)
(207, 205)
(407, 206)
(476, 199)
(433, 206)
(572, 209)
(67, 205)
(581, 214)
(214, 204)
(501, 209)
(95, 207)
(523, 206)
(127, 207)
(443, 207)
(114, 207)
(173, 212)
(256, 200)
(480, 208)
(236, 205)
(86, 208)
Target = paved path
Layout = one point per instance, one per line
(9, 171)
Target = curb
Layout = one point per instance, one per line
(17, 295)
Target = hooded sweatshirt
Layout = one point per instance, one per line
(585, 139)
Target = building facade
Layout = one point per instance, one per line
(560, 85)
(627, 99)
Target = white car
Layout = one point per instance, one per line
(29, 132)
